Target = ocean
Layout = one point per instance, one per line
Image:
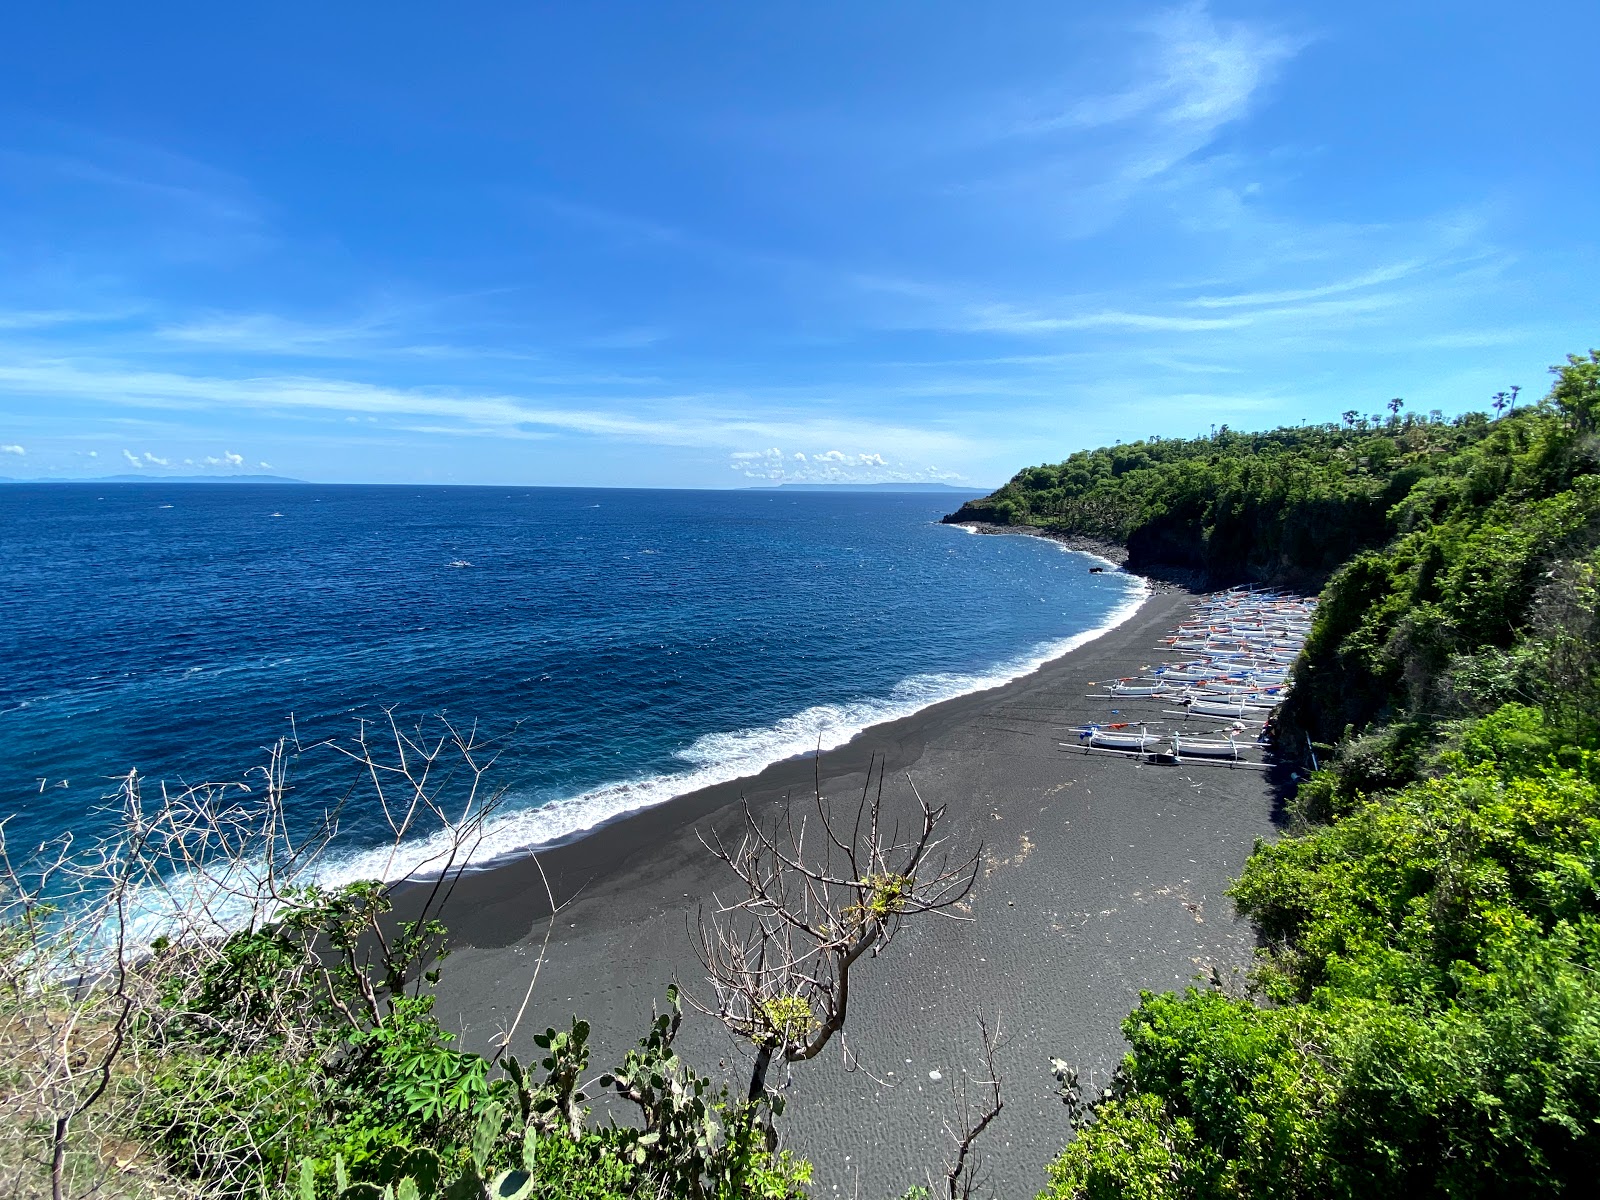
(628, 646)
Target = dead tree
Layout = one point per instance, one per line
(978, 1103)
(819, 891)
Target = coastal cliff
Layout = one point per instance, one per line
(1286, 507)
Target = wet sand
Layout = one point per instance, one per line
(1099, 877)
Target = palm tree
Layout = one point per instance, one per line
(1395, 406)
(1350, 416)
(1500, 402)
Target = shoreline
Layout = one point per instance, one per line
(801, 770)
(1157, 576)
(519, 834)
(1100, 877)
(1110, 552)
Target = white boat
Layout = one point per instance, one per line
(1204, 747)
(1239, 694)
(1138, 689)
(1121, 739)
(1215, 708)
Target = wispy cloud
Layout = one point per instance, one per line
(1083, 158)
(1391, 273)
(627, 339)
(268, 335)
(1003, 318)
(691, 419)
(1196, 74)
(138, 170)
(53, 318)
(13, 449)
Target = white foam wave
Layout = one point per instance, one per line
(712, 759)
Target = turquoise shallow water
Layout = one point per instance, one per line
(648, 642)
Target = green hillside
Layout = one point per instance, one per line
(1424, 1019)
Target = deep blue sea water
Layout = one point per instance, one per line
(649, 642)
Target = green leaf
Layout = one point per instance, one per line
(467, 1186)
(485, 1136)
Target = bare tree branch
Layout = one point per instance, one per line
(779, 956)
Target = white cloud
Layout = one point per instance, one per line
(50, 318)
(266, 334)
(266, 466)
(1196, 75)
(1079, 161)
(694, 419)
(12, 449)
(830, 466)
(154, 461)
(1201, 74)
(133, 459)
(1379, 275)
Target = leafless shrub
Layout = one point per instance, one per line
(818, 891)
(978, 1103)
(104, 942)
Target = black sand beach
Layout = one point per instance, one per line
(1100, 877)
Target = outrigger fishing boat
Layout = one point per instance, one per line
(1204, 747)
(1125, 687)
(1229, 708)
(1117, 737)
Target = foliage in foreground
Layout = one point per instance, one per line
(278, 1039)
(1425, 1012)
(255, 1076)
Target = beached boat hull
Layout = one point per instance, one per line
(1195, 748)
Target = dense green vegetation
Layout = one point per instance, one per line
(1288, 506)
(1424, 1019)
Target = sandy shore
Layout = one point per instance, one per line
(1100, 877)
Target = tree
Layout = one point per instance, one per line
(1577, 390)
(779, 958)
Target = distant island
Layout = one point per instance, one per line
(870, 487)
(164, 479)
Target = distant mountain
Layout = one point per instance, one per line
(165, 479)
(872, 487)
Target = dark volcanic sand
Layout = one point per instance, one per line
(1100, 877)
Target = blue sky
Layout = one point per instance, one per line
(714, 244)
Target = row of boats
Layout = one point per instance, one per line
(1232, 660)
